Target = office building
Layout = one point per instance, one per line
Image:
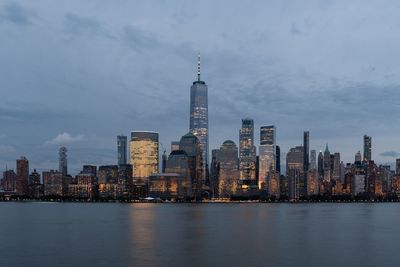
(199, 114)
(122, 142)
(247, 151)
(62, 161)
(22, 176)
(228, 169)
(144, 154)
(267, 150)
(367, 148)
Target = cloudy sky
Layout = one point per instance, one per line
(78, 73)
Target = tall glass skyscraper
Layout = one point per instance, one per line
(267, 156)
(144, 154)
(247, 151)
(62, 164)
(199, 114)
(367, 147)
(121, 147)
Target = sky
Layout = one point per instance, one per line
(78, 73)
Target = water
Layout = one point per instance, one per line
(112, 234)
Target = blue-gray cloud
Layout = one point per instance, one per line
(84, 70)
(15, 13)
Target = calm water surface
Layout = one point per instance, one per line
(92, 234)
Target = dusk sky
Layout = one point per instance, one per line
(78, 73)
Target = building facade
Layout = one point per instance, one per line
(247, 151)
(122, 142)
(144, 154)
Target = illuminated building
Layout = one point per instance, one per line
(125, 178)
(312, 181)
(121, 149)
(35, 188)
(267, 152)
(396, 185)
(144, 154)
(169, 186)
(9, 181)
(336, 167)
(21, 185)
(52, 183)
(62, 161)
(367, 148)
(85, 186)
(278, 159)
(228, 169)
(199, 115)
(327, 164)
(108, 181)
(214, 172)
(313, 160)
(247, 151)
(273, 187)
(191, 145)
(306, 146)
(295, 172)
(320, 166)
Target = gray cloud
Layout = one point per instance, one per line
(390, 154)
(15, 13)
(66, 139)
(296, 65)
(80, 25)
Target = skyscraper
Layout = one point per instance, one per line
(278, 159)
(306, 145)
(228, 172)
(144, 154)
(121, 148)
(191, 145)
(397, 166)
(357, 157)
(295, 172)
(62, 161)
(267, 152)
(21, 183)
(313, 160)
(320, 166)
(174, 146)
(367, 148)
(199, 114)
(327, 164)
(247, 151)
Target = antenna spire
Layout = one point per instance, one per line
(198, 67)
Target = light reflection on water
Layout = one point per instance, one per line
(95, 234)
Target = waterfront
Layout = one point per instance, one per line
(234, 234)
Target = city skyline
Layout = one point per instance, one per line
(254, 76)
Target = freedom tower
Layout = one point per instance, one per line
(199, 113)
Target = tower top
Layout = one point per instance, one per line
(198, 67)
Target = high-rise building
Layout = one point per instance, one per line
(191, 145)
(89, 169)
(199, 114)
(397, 166)
(174, 145)
(247, 151)
(306, 145)
(52, 183)
(267, 152)
(327, 164)
(108, 181)
(336, 167)
(62, 161)
(357, 157)
(367, 148)
(320, 166)
(313, 160)
(278, 159)
(9, 181)
(21, 184)
(144, 156)
(35, 188)
(228, 171)
(295, 172)
(214, 172)
(122, 141)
